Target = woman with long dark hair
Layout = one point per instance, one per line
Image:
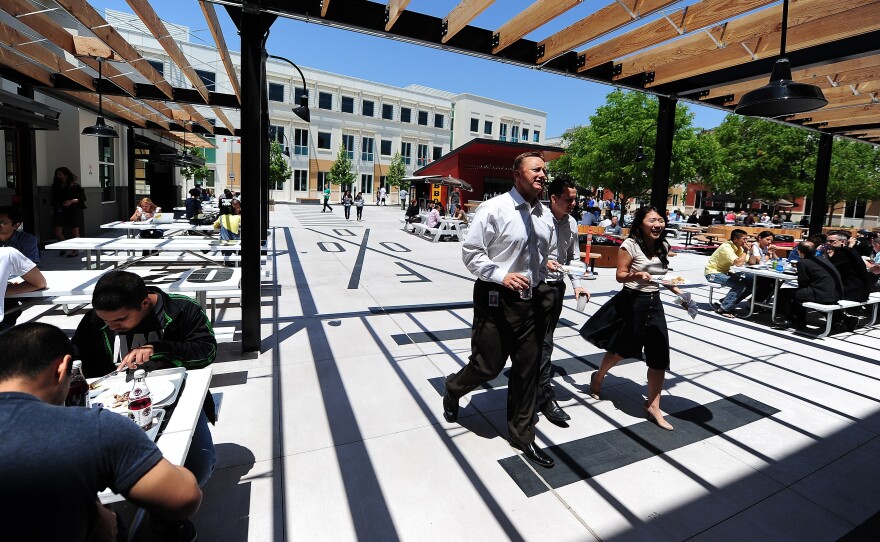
(68, 202)
(632, 322)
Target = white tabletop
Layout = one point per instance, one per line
(122, 243)
(174, 441)
(764, 272)
(180, 225)
(82, 282)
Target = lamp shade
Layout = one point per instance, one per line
(302, 111)
(781, 96)
(640, 154)
(99, 129)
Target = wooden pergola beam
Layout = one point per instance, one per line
(25, 45)
(461, 16)
(224, 119)
(25, 66)
(86, 14)
(818, 31)
(216, 31)
(536, 15)
(393, 11)
(696, 16)
(109, 106)
(841, 113)
(325, 5)
(197, 117)
(157, 28)
(142, 110)
(608, 19)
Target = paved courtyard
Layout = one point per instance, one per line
(334, 431)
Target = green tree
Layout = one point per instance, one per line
(396, 172)
(604, 152)
(279, 168)
(340, 173)
(854, 173)
(192, 172)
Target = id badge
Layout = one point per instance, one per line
(493, 298)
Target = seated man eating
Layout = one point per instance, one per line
(56, 459)
(131, 325)
(733, 252)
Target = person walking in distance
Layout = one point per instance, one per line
(327, 200)
(382, 193)
(347, 200)
(68, 202)
(564, 249)
(506, 248)
(359, 205)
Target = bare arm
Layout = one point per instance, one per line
(624, 262)
(33, 281)
(168, 489)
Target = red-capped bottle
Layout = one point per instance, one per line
(78, 393)
(140, 402)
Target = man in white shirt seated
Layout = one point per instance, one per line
(15, 264)
(433, 216)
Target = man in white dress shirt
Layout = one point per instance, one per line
(507, 243)
(564, 249)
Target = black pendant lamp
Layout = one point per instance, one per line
(100, 129)
(781, 96)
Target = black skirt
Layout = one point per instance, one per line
(629, 324)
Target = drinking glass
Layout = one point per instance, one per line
(526, 293)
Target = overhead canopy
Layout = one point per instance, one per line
(445, 180)
(705, 51)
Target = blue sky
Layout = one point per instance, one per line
(568, 101)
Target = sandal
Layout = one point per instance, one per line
(724, 313)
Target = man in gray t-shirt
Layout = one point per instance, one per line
(56, 459)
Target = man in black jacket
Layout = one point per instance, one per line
(133, 325)
(853, 274)
(818, 282)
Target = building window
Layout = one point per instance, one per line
(209, 179)
(385, 147)
(325, 100)
(422, 152)
(367, 149)
(300, 180)
(487, 128)
(300, 142)
(324, 140)
(366, 183)
(322, 180)
(405, 114)
(368, 108)
(297, 94)
(208, 78)
(525, 134)
(438, 120)
(438, 152)
(347, 104)
(106, 169)
(406, 152)
(276, 133)
(387, 111)
(854, 209)
(157, 65)
(536, 137)
(423, 118)
(699, 197)
(475, 125)
(808, 206)
(502, 132)
(383, 182)
(348, 143)
(276, 92)
(514, 133)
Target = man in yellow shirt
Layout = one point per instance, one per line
(731, 253)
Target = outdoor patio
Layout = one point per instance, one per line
(334, 431)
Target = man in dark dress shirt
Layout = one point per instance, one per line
(853, 273)
(818, 282)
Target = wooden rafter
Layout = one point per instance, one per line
(394, 9)
(25, 45)
(25, 66)
(86, 14)
(461, 16)
(699, 15)
(157, 28)
(221, 116)
(109, 106)
(216, 31)
(818, 31)
(142, 110)
(325, 5)
(191, 140)
(197, 117)
(529, 19)
(55, 33)
(841, 113)
(612, 17)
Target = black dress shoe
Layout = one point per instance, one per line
(450, 406)
(554, 412)
(533, 453)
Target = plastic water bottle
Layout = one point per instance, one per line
(780, 265)
(140, 402)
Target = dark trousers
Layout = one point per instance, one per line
(326, 205)
(360, 211)
(551, 304)
(509, 330)
(347, 211)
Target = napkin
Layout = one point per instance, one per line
(686, 301)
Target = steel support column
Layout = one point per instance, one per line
(663, 153)
(264, 154)
(254, 29)
(820, 186)
(26, 143)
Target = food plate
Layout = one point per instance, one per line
(672, 280)
(116, 398)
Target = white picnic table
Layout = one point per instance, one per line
(100, 245)
(134, 228)
(766, 272)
